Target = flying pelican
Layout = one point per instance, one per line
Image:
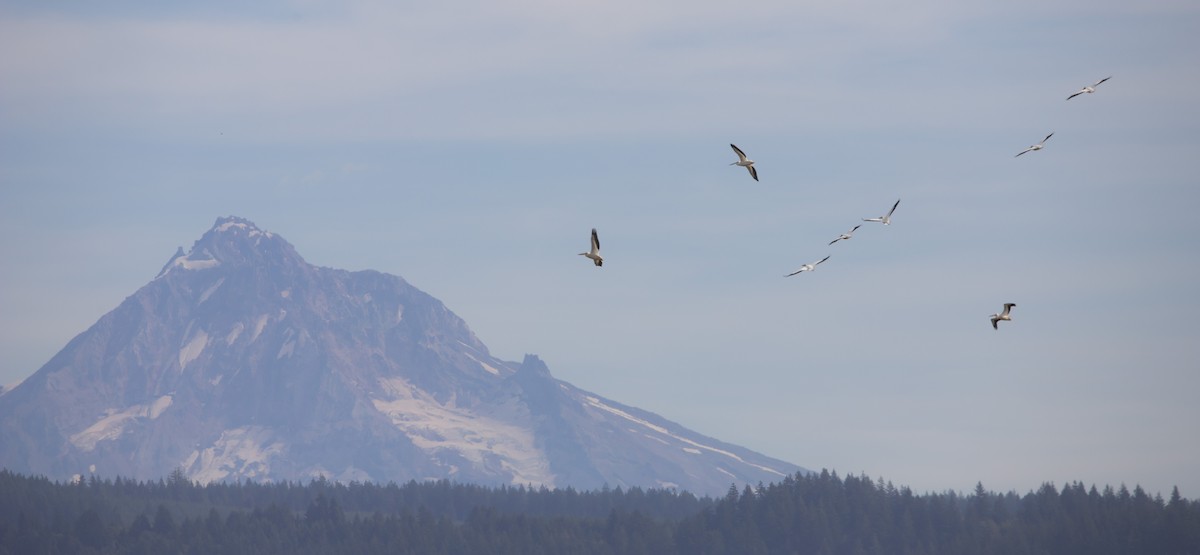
(845, 235)
(744, 162)
(885, 219)
(1002, 316)
(808, 267)
(1037, 146)
(1089, 89)
(594, 254)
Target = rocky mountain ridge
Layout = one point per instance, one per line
(241, 360)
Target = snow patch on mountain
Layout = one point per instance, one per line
(656, 438)
(289, 344)
(193, 348)
(596, 403)
(243, 452)
(487, 367)
(592, 401)
(252, 230)
(238, 224)
(350, 474)
(502, 440)
(112, 424)
(259, 325)
(234, 333)
(208, 292)
(158, 406)
(188, 263)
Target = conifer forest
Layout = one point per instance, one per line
(818, 513)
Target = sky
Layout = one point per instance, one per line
(470, 146)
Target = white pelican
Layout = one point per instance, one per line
(594, 254)
(744, 162)
(1089, 89)
(1037, 146)
(808, 267)
(886, 219)
(846, 235)
(1002, 316)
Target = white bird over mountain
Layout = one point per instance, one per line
(1037, 146)
(885, 219)
(808, 267)
(594, 254)
(744, 162)
(846, 235)
(1090, 88)
(1002, 316)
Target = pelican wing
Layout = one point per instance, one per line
(893, 208)
(845, 235)
(822, 260)
(753, 172)
(1081, 91)
(596, 242)
(741, 155)
(1102, 80)
(1023, 151)
(1047, 138)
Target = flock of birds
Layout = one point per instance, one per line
(886, 219)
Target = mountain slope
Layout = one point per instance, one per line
(241, 360)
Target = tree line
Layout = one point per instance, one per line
(819, 513)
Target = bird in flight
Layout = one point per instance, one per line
(1002, 316)
(1037, 146)
(594, 254)
(1089, 89)
(808, 267)
(744, 162)
(886, 219)
(846, 235)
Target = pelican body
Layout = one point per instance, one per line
(744, 162)
(846, 235)
(1037, 146)
(808, 267)
(996, 318)
(1089, 89)
(885, 219)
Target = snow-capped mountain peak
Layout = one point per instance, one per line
(241, 360)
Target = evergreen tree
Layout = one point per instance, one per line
(90, 530)
(164, 523)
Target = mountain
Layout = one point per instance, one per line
(241, 360)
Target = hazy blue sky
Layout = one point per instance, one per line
(469, 146)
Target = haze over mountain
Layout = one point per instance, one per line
(241, 360)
